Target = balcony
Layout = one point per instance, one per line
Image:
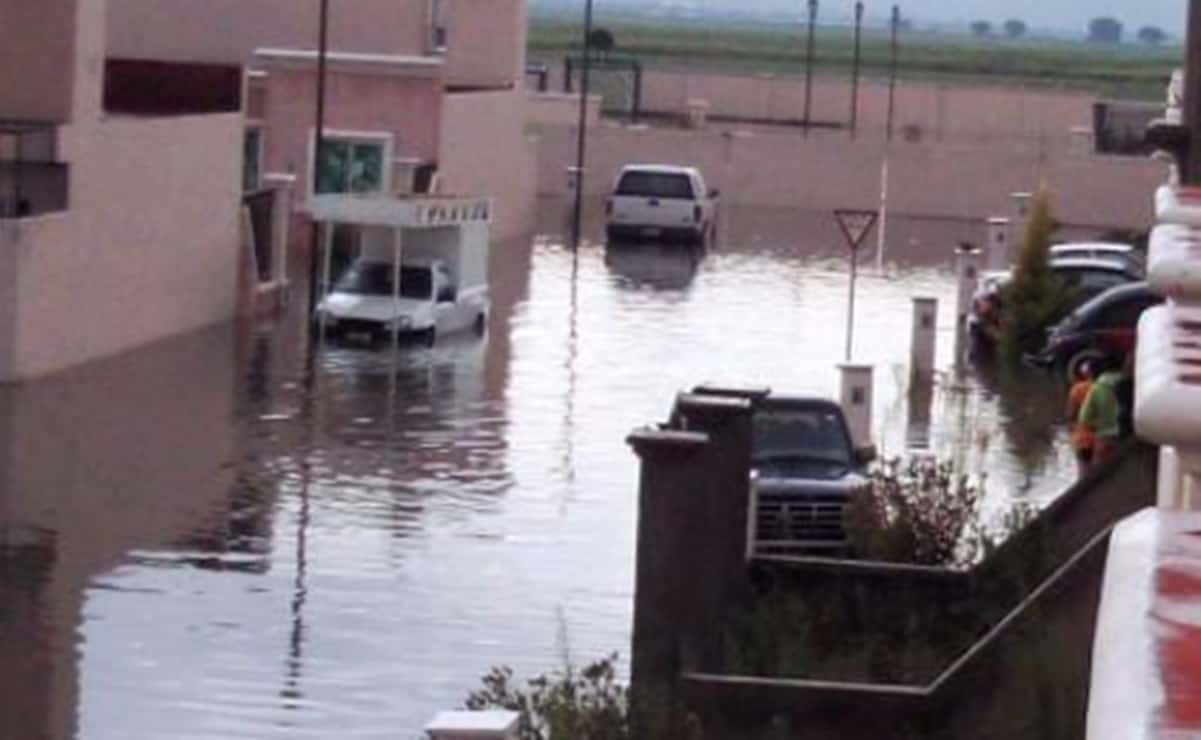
(32, 181)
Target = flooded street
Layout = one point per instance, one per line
(227, 536)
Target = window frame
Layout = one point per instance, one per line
(384, 139)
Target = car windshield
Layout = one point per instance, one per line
(655, 185)
(812, 433)
(375, 278)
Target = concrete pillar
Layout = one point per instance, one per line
(967, 276)
(924, 338)
(692, 506)
(283, 187)
(999, 247)
(495, 724)
(921, 402)
(856, 399)
(1019, 216)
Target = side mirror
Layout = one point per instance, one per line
(714, 193)
(866, 455)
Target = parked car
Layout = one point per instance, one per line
(1123, 253)
(661, 202)
(1085, 276)
(1103, 328)
(430, 301)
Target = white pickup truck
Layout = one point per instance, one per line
(443, 286)
(662, 202)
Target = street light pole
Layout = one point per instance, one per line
(855, 68)
(809, 64)
(892, 75)
(1191, 169)
(582, 130)
(318, 142)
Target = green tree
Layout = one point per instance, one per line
(1036, 297)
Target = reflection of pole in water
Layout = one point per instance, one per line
(570, 366)
(921, 401)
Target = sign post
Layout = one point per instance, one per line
(855, 226)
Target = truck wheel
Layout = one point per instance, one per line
(429, 336)
(481, 325)
(1088, 354)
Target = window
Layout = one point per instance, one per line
(811, 433)
(349, 165)
(655, 185)
(437, 27)
(252, 159)
(375, 279)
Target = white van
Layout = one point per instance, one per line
(653, 201)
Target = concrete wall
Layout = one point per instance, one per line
(486, 42)
(776, 167)
(148, 249)
(934, 110)
(408, 108)
(230, 30)
(37, 53)
(484, 151)
(559, 109)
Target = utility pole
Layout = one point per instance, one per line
(855, 68)
(582, 130)
(319, 141)
(892, 75)
(1191, 167)
(809, 64)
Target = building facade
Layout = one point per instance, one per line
(118, 204)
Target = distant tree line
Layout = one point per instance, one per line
(1100, 31)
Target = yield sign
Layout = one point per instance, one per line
(855, 225)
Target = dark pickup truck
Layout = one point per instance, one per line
(805, 469)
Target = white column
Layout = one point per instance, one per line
(856, 400)
(283, 187)
(998, 252)
(924, 338)
(967, 276)
(1019, 216)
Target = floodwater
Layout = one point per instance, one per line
(229, 536)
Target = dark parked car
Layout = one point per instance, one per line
(805, 470)
(1086, 277)
(1104, 327)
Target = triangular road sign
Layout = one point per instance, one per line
(855, 225)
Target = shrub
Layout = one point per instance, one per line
(918, 512)
(566, 705)
(1035, 298)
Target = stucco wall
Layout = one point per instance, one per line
(148, 249)
(37, 45)
(230, 30)
(486, 42)
(484, 151)
(408, 108)
(782, 168)
(942, 111)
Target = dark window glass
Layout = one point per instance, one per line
(375, 278)
(809, 433)
(655, 185)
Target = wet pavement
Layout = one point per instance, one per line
(227, 535)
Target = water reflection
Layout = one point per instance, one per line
(240, 537)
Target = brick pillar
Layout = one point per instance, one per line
(692, 510)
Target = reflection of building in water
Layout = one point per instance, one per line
(123, 455)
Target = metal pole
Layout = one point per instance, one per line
(851, 302)
(809, 64)
(581, 133)
(892, 76)
(1191, 169)
(318, 140)
(396, 275)
(855, 68)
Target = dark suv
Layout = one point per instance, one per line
(1105, 327)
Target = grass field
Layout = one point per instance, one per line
(1126, 71)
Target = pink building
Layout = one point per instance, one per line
(415, 87)
(119, 191)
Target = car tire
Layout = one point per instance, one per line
(480, 326)
(1072, 366)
